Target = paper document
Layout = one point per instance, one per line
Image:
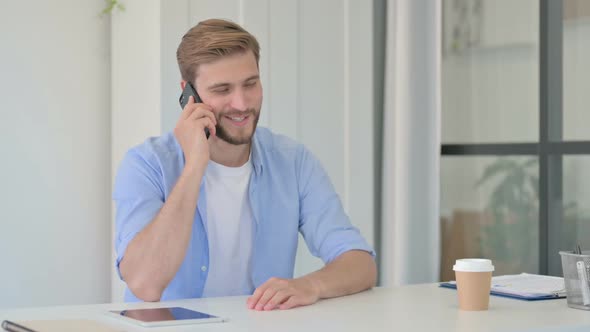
(524, 286)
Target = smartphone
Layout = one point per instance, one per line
(188, 91)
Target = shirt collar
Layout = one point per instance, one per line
(257, 154)
(256, 151)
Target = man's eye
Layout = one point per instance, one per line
(253, 83)
(222, 91)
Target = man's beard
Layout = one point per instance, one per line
(237, 140)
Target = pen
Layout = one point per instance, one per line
(14, 327)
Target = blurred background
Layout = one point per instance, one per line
(450, 128)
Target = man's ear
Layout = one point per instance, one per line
(182, 84)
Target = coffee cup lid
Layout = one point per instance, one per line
(473, 265)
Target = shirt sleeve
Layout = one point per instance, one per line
(138, 195)
(323, 223)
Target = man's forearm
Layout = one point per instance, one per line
(154, 256)
(352, 272)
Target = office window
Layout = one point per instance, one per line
(575, 225)
(515, 169)
(576, 69)
(490, 71)
(490, 208)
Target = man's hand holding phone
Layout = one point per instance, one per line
(190, 132)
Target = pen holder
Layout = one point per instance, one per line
(576, 274)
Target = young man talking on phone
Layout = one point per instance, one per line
(200, 217)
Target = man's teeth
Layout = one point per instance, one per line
(238, 119)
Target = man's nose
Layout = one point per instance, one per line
(238, 101)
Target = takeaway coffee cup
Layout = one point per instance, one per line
(474, 280)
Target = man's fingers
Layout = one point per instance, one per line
(253, 300)
(292, 302)
(208, 124)
(280, 297)
(188, 108)
(193, 109)
(203, 111)
(268, 294)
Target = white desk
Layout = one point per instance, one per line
(410, 308)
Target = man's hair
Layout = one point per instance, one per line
(210, 40)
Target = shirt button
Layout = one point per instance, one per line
(203, 268)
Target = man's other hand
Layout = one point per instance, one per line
(283, 294)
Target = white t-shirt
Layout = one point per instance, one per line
(230, 230)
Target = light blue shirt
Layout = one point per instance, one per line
(289, 192)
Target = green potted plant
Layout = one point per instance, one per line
(511, 238)
(111, 5)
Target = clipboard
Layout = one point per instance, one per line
(524, 286)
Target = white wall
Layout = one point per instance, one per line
(55, 153)
(135, 85)
(316, 70)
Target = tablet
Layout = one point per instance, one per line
(164, 316)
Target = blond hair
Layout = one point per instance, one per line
(210, 40)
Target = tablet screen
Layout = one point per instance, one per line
(163, 314)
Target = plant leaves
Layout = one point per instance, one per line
(495, 168)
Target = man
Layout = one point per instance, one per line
(220, 216)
